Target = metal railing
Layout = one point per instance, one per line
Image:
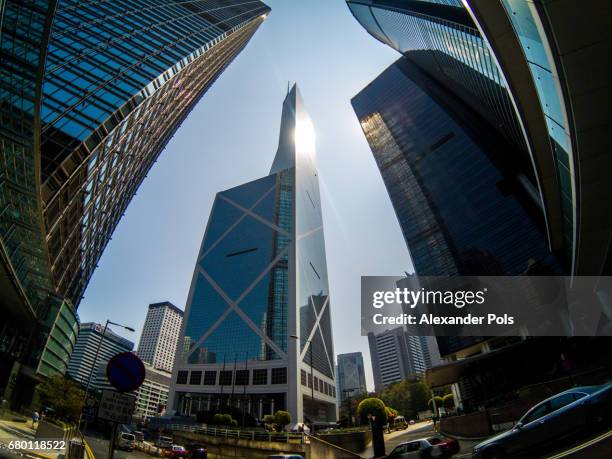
(281, 437)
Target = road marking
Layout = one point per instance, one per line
(582, 446)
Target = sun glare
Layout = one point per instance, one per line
(305, 138)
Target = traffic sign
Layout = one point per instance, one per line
(116, 407)
(125, 372)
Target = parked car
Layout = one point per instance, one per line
(178, 452)
(197, 451)
(575, 413)
(399, 423)
(418, 449)
(163, 442)
(449, 445)
(125, 441)
(138, 435)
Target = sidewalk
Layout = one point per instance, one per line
(20, 436)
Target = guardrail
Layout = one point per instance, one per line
(281, 437)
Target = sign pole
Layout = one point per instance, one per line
(111, 449)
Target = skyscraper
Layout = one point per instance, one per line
(90, 338)
(397, 356)
(460, 202)
(488, 66)
(160, 335)
(521, 65)
(91, 94)
(257, 331)
(351, 375)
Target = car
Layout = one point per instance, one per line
(574, 413)
(197, 451)
(399, 423)
(125, 441)
(418, 449)
(163, 442)
(177, 452)
(449, 445)
(139, 436)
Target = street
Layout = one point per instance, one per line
(99, 447)
(416, 431)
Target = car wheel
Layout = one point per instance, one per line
(495, 454)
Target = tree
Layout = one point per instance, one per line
(63, 395)
(282, 418)
(218, 419)
(374, 407)
(268, 419)
(408, 397)
(448, 401)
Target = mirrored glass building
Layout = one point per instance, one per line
(91, 93)
(522, 64)
(489, 138)
(257, 331)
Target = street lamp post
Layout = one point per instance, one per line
(108, 322)
(311, 372)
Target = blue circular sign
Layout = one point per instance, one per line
(125, 372)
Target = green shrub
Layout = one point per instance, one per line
(372, 406)
(226, 419)
(282, 418)
(268, 419)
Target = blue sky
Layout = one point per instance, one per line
(230, 138)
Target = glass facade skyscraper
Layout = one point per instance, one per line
(351, 375)
(442, 38)
(521, 65)
(120, 78)
(461, 207)
(91, 93)
(462, 214)
(257, 331)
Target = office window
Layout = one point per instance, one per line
(195, 377)
(279, 376)
(210, 378)
(242, 377)
(225, 378)
(303, 377)
(260, 377)
(316, 384)
(309, 380)
(181, 377)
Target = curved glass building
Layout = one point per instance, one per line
(257, 335)
(534, 69)
(91, 93)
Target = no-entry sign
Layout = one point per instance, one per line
(125, 372)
